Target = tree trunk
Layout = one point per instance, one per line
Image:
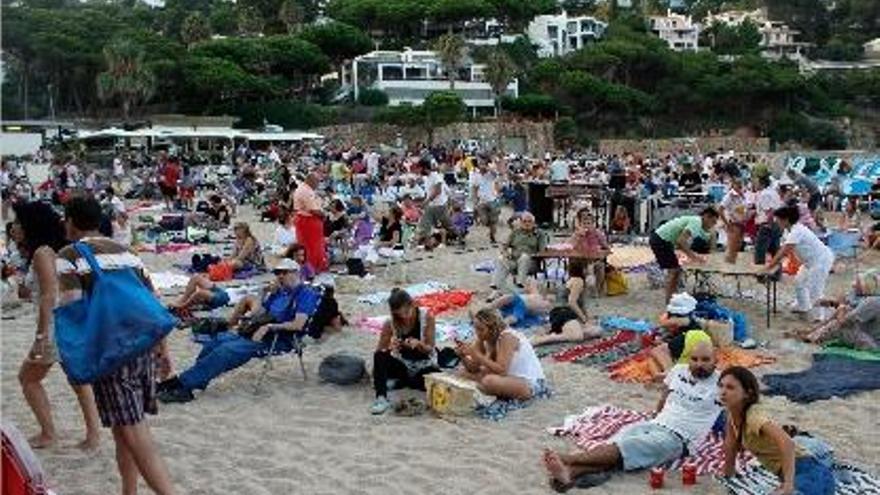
(27, 82)
(498, 137)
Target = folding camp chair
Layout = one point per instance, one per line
(297, 343)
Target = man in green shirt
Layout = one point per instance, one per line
(524, 242)
(680, 233)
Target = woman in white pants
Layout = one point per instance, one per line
(816, 258)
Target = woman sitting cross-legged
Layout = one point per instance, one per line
(405, 352)
(502, 361)
(749, 428)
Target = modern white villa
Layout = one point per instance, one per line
(558, 35)
(408, 77)
(679, 31)
(777, 38)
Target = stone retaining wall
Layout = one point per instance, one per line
(532, 138)
(698, 144)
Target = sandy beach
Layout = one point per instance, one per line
(305, 437)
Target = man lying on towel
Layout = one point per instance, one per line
(685, 414)
(286, 308)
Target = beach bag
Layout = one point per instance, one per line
(220, 272)
(342, 369)
(356, 267)
(22, 473)
(117, 320)
(615, 283)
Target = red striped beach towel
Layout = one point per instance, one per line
(597, 425)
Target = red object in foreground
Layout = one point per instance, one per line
(655, 478)
(688, 473)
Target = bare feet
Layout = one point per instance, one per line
(557, 469)
(41, 441)
(90, 444)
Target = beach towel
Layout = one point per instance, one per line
(755, 480)
(838, 349)
(440, 302)
(415, 290)
(624, 323)
(829, 376)
(168, 280)
(597, 425)
(639, 368)
(585, 350)
(500, 408)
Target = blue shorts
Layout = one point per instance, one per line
(219, 298)
(645, 445)
(811, 477)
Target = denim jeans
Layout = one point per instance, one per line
(225, 352)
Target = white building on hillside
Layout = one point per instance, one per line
(680, 32)
(408, 77)
(872, 49)
(777, 38)
(558, 35)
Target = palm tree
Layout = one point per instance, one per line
(452, 50)
(292, 15)
(500, 71)
(126, 78)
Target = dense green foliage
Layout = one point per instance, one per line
(263, 60)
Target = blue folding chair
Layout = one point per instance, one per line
(295, 340)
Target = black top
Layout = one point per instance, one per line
(387, 230)
(691, 180)
(414, 332)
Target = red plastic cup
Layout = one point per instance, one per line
(689, 474)
(655, 478)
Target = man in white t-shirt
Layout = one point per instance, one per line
(436, 205)
(687, 410)
(372, 161)
(484, 196)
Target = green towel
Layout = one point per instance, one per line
(838, 349)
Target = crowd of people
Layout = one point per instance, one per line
(333, 205)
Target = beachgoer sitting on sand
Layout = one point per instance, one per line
(218, 210)
(856, 325)
(246, 252)
(501, 360)
(685, 414)
(680, 233)
(200, 290)
(816, 259)
(524, 242)
(286, 308)
(750, 428)
(405, 352)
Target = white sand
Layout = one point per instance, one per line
(311, 438)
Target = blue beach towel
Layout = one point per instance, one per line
(500, 408)
(609, 323)
(830, 376)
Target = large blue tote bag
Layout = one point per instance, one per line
(117, 320)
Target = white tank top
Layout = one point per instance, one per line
(525, 363)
